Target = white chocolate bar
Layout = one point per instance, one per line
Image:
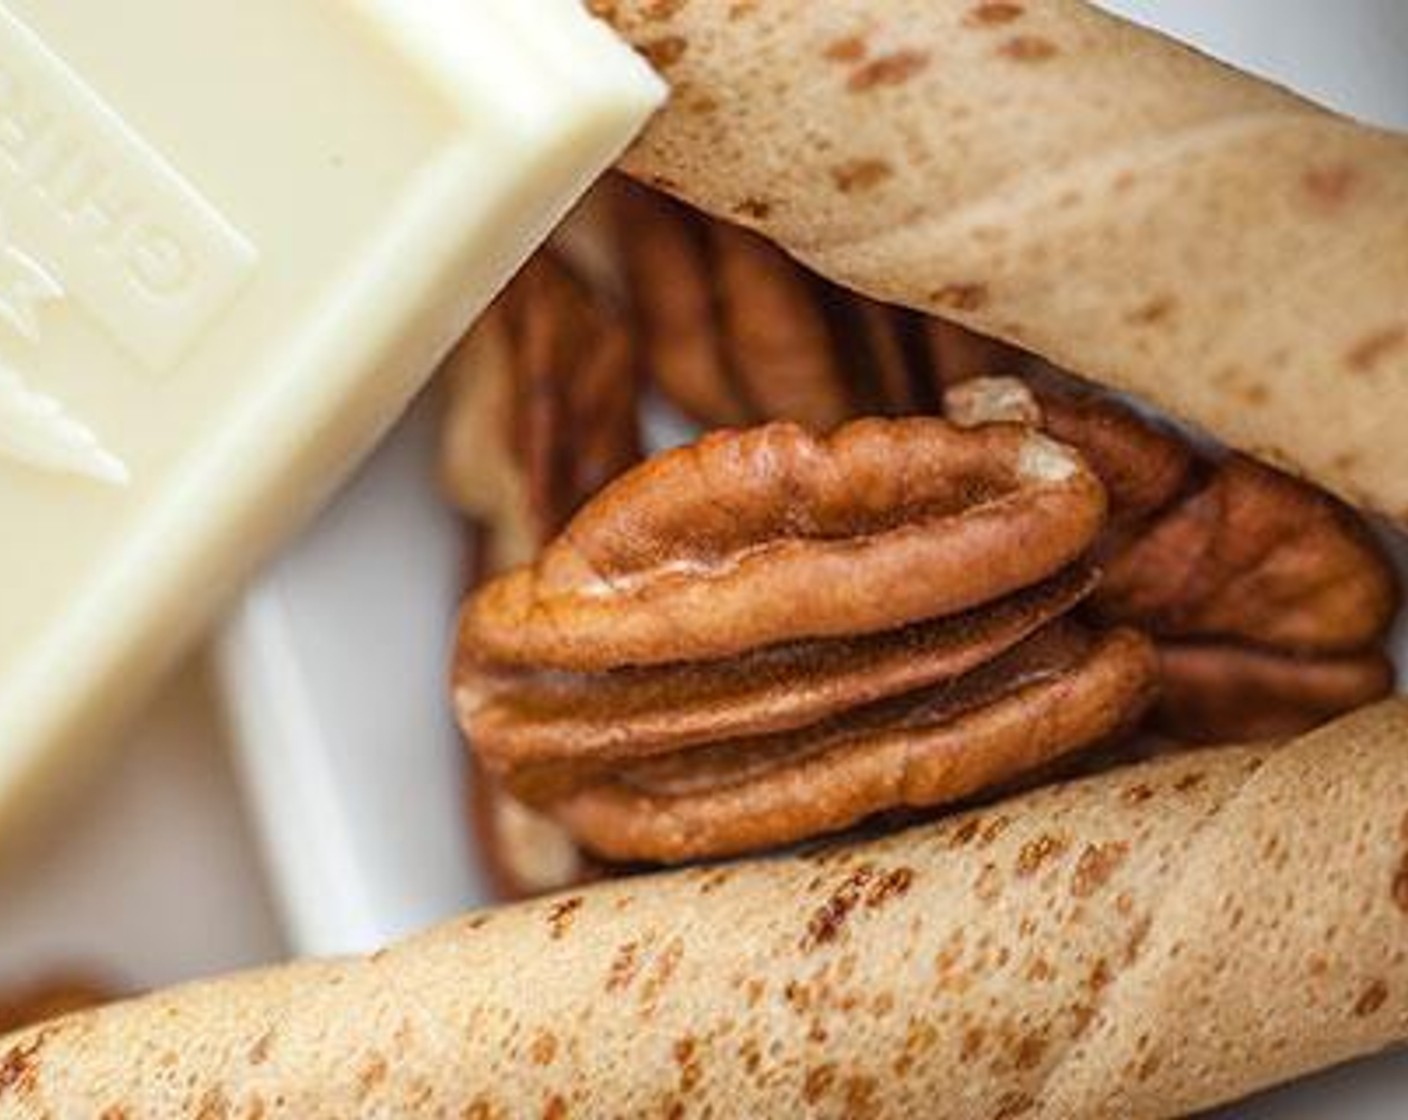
(235, 238)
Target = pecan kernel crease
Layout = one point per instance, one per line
(1062, 690)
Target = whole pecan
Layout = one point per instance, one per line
(1270, 599)
(763, 621)
(734, 331)
(772, 534)
(543, 409)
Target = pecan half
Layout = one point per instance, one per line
(1060, 690)
(543, 408)
(1282, 590)
(1258, 557)
(525, 717)
(1221, 693)
(773, 615)
(773, 535)
(734, 331)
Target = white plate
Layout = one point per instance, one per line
(149, 876)
(334, 667)
(335, 672)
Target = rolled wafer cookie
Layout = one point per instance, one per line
(1141, 944)
(1044, 172)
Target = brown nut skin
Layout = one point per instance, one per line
(1255, 557)
(734, 331)
(1218, 693)
(1060, 691)
(748, 539)
(519, 718)
(543, 407)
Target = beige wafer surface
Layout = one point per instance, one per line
(1143, 944)
(1039, 170)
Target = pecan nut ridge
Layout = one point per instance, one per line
(521, 717)
(748, 539)
(827, 786)
(734, 331)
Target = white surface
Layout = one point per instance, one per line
(149, 877)
(335, 669)
(336, 664)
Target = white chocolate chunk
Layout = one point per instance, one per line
(235, 238)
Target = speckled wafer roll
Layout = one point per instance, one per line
(1047, 173)
(1142, 944)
